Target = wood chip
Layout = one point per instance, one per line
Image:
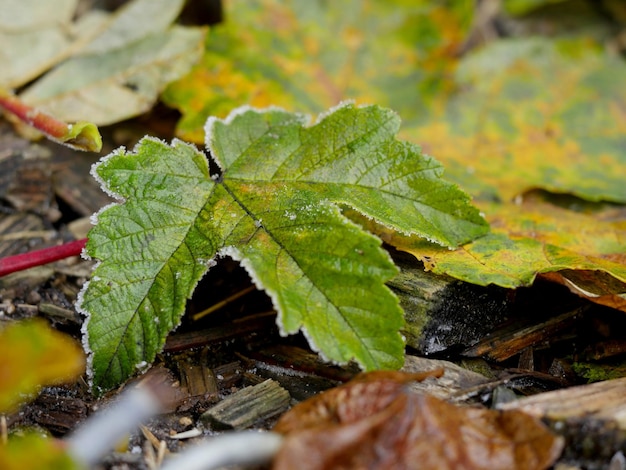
(505, 344)
(601, 400)
(591, 418)
(248, 406)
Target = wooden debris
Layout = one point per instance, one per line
(74, 185)
(299, 371)
(601, 400)
(29, 229)
(591, 418)
(198, 381)
(60, 314)
(605, 349)
(20, 283)
(248, 406)
(25, 180)
(442, 312)
(222, 303)
(228, 375)
(297, 361)
(504, 344)
(60, 414)
(454, 381)
(198, 338)
(197, 378)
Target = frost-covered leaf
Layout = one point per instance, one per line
(33, 355)
(274, 208)
(309, 55)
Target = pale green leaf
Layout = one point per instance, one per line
(119, 83)
(108, 67)
(275, 208)
(37, 35)
(33, 36)
(33, 14)
(133, 21)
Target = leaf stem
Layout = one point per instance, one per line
(79, 136)
(23, 261)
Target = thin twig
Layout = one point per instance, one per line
(222, 303)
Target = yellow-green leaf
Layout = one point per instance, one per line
(532, 237)
(306, 56)
(32, 354)
(34, 451)
(534, 113)
(528, 114)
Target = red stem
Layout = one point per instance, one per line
(39, 120)
(15, 263)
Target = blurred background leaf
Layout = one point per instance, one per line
(32, 354)
(534, 113)
(35, 451)
(306, 56)
(103, 67)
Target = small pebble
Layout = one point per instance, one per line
(33, 297)
(185, 421)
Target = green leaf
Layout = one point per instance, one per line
(84, 136)
(275, 208)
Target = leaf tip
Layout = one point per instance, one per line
(212, 122)
(83, 136)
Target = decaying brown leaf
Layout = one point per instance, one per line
(374, 421)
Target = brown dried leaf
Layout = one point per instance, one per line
(364, 395)
(375, 422)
